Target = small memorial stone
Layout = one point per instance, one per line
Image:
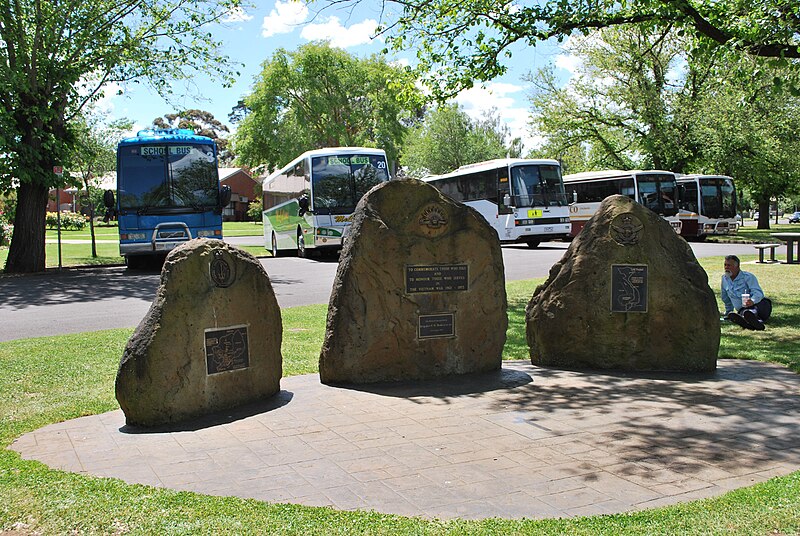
(419, 293)
(628, 294)
(210, 341)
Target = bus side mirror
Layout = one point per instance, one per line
(507, 200)
(574, 196)
(303, 202)
(224, 196)
(108, 199)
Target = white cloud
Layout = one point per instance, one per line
(340, 36)
(284, 18)
(477, 101)
(237, 14)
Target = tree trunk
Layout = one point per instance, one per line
(763, 214)
(26, 254)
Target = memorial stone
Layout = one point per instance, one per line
(419, 292)
(628, 294)
(210, 341)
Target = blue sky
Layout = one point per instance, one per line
(252, 35)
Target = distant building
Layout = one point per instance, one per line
(243, 191)
(69, 198)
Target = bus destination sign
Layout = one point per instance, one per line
(347, 160)
(629, 288)
(161, 150)
(226, 349)
(437, 278)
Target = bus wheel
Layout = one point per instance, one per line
(533, 244)
(135, 262)
(274, 246)
(301, 246)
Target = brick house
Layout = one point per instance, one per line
(244, 189)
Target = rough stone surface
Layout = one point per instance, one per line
(569, 319)
(373, 319)
(165, 376)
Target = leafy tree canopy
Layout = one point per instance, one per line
(203, 124)
(56, 57)
(631, 103)
(448, 139)
(319, 96)
(460, 41)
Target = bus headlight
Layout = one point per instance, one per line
(328, 232)
(205, 233)
(565, 220)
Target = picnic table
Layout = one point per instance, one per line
(792, 241)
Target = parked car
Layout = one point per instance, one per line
(794, 218)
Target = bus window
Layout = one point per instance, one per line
(339, 181)
(687, 193)
(194, 177)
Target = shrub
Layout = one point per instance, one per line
(70, 221)
(254, 210)
(6, 230)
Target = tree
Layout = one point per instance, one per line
(448, 139)
(56, 57)
(749, 132)
(203, 124)
(622, 106)
(460, 41)
(319, 96)
(94, 155)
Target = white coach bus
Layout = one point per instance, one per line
(655, 189)
(309, 203)
(523, 200)
(707, 206)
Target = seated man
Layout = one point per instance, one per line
(744, 300)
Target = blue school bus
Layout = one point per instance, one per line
(168, 192)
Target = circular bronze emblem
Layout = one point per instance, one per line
(626, 229)
(222, 273)
(433, 217)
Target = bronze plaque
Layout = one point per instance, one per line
(221, 270)
(437, 278)
(226, 349)
(629, 288)
(434, 326)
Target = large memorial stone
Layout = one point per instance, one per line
(628, 294)
(210, 341)
(419, 293)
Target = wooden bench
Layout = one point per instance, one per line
(762, 247)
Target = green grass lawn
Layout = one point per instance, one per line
(51, 379)
(107, 245)
(750, 234)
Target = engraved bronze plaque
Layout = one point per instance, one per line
(226, 349)
(435, 326)
(221, 270)
(629, 288)
(437, 278)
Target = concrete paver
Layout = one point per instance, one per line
(524, 442)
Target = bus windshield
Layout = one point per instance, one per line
(719, 198)
(338, 182)
(658, 193)
(167, 176)
(536, 185)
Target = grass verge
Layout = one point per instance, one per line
(749, 234)
(51, 379)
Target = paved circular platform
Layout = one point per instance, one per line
(525, 442)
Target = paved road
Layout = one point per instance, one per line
(90, 299)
